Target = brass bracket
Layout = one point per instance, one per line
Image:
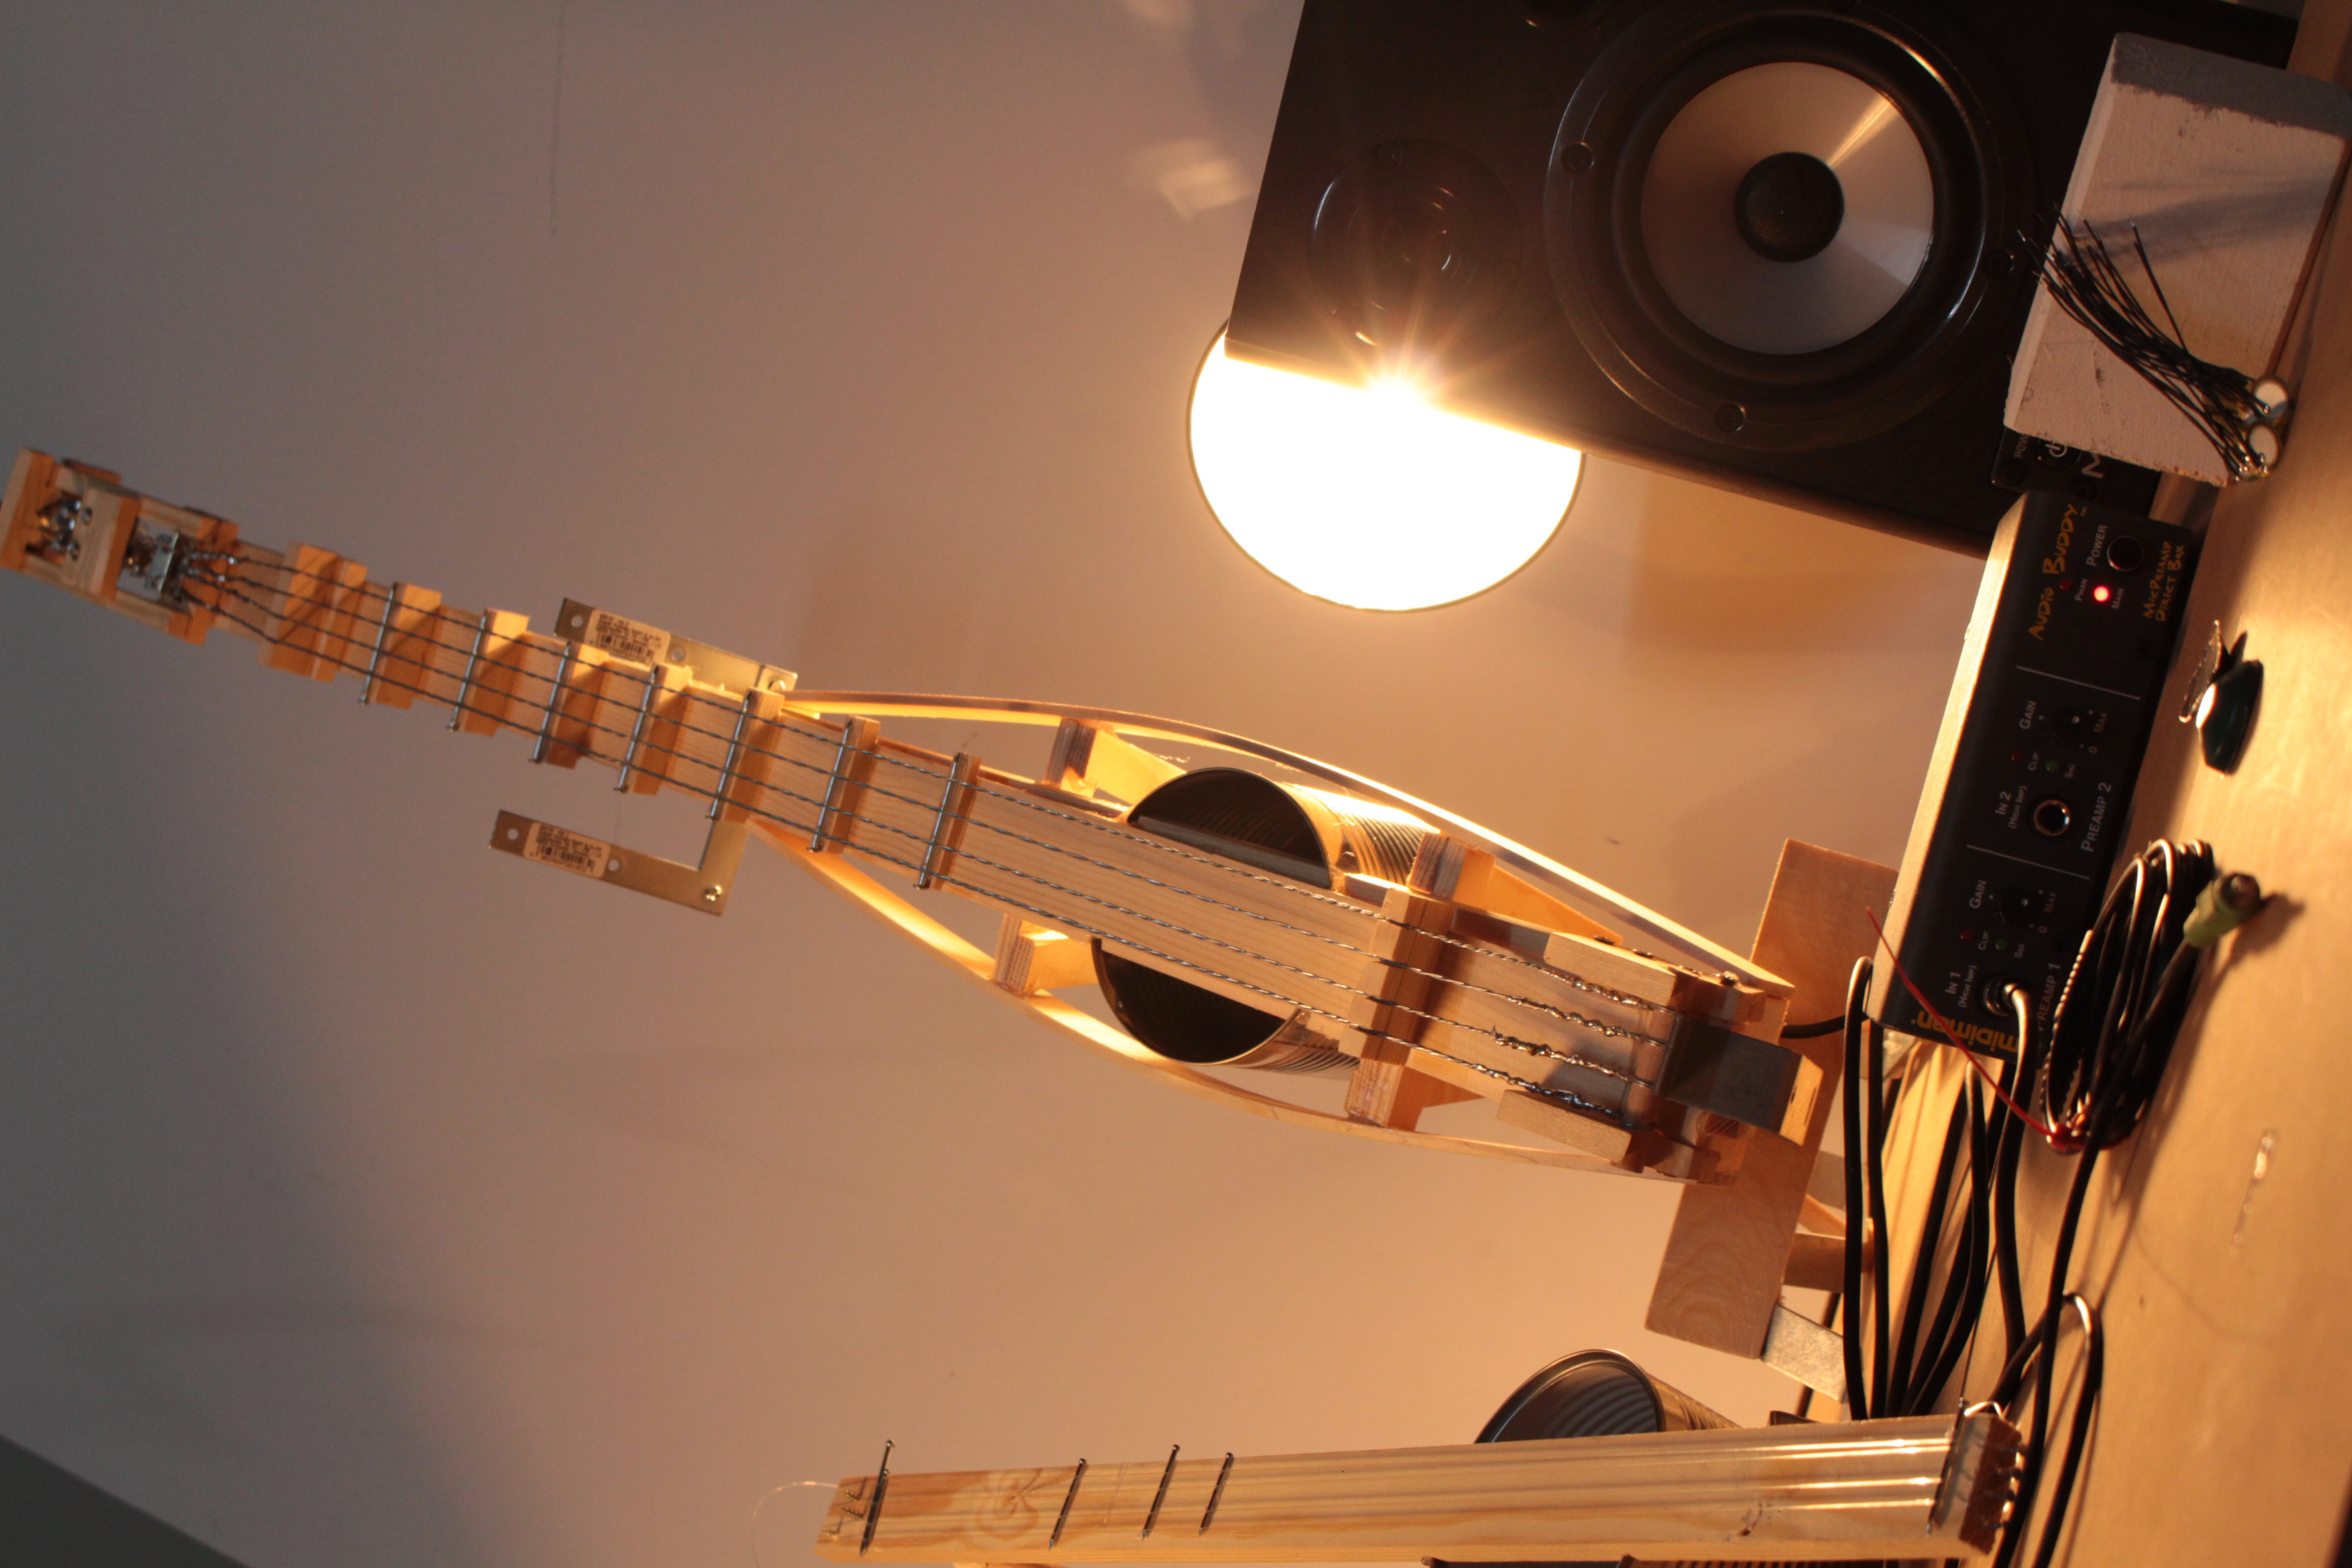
(641, 643)
(705, 887)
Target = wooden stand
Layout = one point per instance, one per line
(1734, 1246)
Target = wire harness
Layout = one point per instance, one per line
(2089, 1081)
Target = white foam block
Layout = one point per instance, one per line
(2228, 169)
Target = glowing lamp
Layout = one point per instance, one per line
(1370, 496)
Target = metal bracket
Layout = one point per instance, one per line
(644, 644)
(705, 887)
(1807, 1350)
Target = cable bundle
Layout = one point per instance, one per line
(2092, 1078)
(2229, 408)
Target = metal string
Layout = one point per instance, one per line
(1527, 1047)
(1151, 842)
(1531, 1048)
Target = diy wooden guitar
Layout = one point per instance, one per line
(1263, 912)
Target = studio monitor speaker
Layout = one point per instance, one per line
(1783, 248)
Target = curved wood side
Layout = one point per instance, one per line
(977, 966)
(1580, 892)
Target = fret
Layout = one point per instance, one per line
(940, 848)
(309, 628)
(473, 662)
(546, 742)
(718, 801)
(401, 671)
(637, 730)
(375, 653)
(852, 759)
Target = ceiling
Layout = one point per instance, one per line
(369, 1199)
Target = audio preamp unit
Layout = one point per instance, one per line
(2029, 790)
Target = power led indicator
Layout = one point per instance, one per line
(2101, 593)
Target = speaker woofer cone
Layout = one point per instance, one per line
(1679, 309)
(1787, 208)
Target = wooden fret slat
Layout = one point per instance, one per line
(403, 647)
(310, 622)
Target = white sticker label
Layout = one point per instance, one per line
(627, 639)
(552, 845)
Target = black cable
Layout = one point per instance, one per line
(2009, 1147)
(2225, 404)
(2091, 1075)
(1923, 1265)
(1957, 1318)
(1813, 1030)
(1857, 1391)
(2110, 1038)
(2086, 1401)
(1874, 1151)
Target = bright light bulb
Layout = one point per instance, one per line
(1370, 496)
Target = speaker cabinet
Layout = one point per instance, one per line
(1782, 248)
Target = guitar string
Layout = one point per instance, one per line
(1532, 1048)
(1151, 842)
(1058, 917)
(1563, 1096)
(1597, 1026)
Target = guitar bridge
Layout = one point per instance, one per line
(704, 886)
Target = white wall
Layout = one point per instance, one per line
(370, 1199)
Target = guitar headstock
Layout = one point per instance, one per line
(77, 527)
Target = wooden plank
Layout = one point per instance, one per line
(1550, 1119)
(1392, 1094)
(491, 699)
(1032, 958)
(1816, 1263)
(1452, 869)
(1926, 1487)
(1090, 757)
(310, 620)
(30, 479)
(1728, 1252)
(1395, 980)
(399, 650)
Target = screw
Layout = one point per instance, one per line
(710, 895)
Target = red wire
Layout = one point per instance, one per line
(2057, 1140)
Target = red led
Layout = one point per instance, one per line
(2065, 585)
(2102, 593)
(1968, 936)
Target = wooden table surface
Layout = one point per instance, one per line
(2219, 1241)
